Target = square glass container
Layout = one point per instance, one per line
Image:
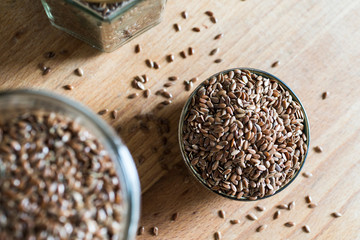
(104, 29)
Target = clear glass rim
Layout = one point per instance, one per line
(185, 109)
(127, 168)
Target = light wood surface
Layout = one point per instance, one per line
(317, 44)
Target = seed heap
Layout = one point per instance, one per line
(56, 181)
(243, 134)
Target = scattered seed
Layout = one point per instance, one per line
(191, 51)
(141, 230)
(103, 111)
(275, 64)
(49, 55)
(260, 208)
(282, 206)
(166, 94)
(155, 231)
(291, 205)
(261, 228)
(79, 72)
(217, 37)
(289, 224)
(306, 229)
(68, 87)
(217, 236)
(146, 78)
(219, 60)
(137, 48)
(149, 63)
(184, 14)
(170, 58)
(336, 214)
(308, 199)
(175, 216)
(156, 65)
(173, 78)
(114, 114)
(166, 102)
(221, 213)
(209, 13)
(307, 174)
(318, 149)
(312, 205)
(235, 221)
(139, 85)
(177, 27)
(276, 215)
(168, 84)
(188, 85)
(324, 95)
(183, 54)
(46, 71)
(133, 95)
(251, 217)
(213, 20)
(196, 29)
(140, 78)
(214, 51)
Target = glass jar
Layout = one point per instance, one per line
(104, 26)
(27, 101)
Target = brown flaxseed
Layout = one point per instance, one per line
(49, 55)
(191, 51)
(289, 224)
(155, 231)
(312, 205)
(214, 51)
(137, 48)
(173, 78)
(194, 80)
(324, 95)
(291, 205)
(103, 111)
(156, 65)
(260, 208)
(221, 213)
(182, 54)
(68, 87)
(141, 230)
(196, 29)
(251, 217)
(282, 206)
(217, 37)
(79, 72)
(166, 94)
(308, 199)
(46, 71)
(261, 228)
(219, 60)
(235, 221)
(114, 114)
(175, 216)
(177, 27)
(318, 149)
(307, 174)
(217, 236)
(306, 229)
(336, 214)
(168, 84)
(276, 215)
(213, 20)
(184, 14)
(149, 63)
(170, 58)
(133, 95)
(275, 64)
(209, 13)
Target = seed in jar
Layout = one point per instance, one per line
(209, 13)
(306, 229)
(235, 221)
(307, 174)
(49, 55)
(177, 27)
(156, 65)
(214, 51)
(182, 54)
(217, 236)
(308, 199)
(173, 78)
(141, 230)
(149, 63)
(219, 60)
(213, 20)
(312, 205)
(261, 228)
(155, 231)
(276, 215)
(170, 58)
(336, 214)
(251, 217)
(324, 95)
(275, 64)
(217, 37)
(103, 111)
(318, 149)
(282, 206)
(184, 14)
(68, 87)
(260, 208)
(114, 114)
(133, 95)
(137, 48)
(79, 72)
(291, 205)
(289, 224)
(221, 213)
(191, 51)
(196, 29)
(175, 216)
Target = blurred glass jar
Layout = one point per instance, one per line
(17, 102)
(104, 26)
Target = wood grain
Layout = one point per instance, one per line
(317, 46)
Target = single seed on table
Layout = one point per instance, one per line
(291, 205)
(155, 231)
(260, 208)
(217, 236)
(261, 228)
(219, 60)
(324, 95)
(196, 29)
(184, 14)
(156, 65)
(68, 87)
(213, 20)
(183, 54)
(209, 13)
(318, 149)
(103, 111)
(191, 51)
(235, 221)
(275, 64)
(149, 63)
(170, 58)
(137, 48)
(173, 78)
(312, 205)
(336, 214)
(194, 80)
(133, 95)
(289, 224)
(307, 174)
(141, 230)
(251, 217)
(166, 102)
(276, 215)
(306, 229)
(166, 94)
(221, 213)
(308, 199)
(214, 51)
(114, 114)
(282, 206)
(168, 84)
(177, 27)
(175, 216)
(79, 72)
(217, 37)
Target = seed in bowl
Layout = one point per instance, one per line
(243, 135)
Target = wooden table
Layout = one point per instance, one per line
(317, 46)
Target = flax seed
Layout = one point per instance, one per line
(209, 13)
(251, 217)
(312, 205)
(182, 54)
(141, 230)
(275, 64)
(114, 114)
(168, 84)
(49, 55)
(196, 29)
(68, 87)
(217, 37)
(133, 95)
(184, 14)
(139, 85)
(261, 228)
(155, 231)
(103, 111)
(283, 206)
(46, 71)
(307, 174)
(177, 27)
(137, 48)
(194, 80)
(308, 199)
(166, 94)
(149, 63)
(175, 216)
(214, 51)
(325, 95)
(213, 20)
(235, 221)
(173, 78)
(156, 65)
(276, 215)
(291, 205)
(306, 229)
(191, 51)
(217, 236)
(166, 102)
(79, 72)
(318, 149)
(260, 208)
(289, 224)
(221, 213)
(219, 60)
(336, 214)
(170, 58)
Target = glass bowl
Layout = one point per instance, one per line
(198, 176)
(15, 101)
